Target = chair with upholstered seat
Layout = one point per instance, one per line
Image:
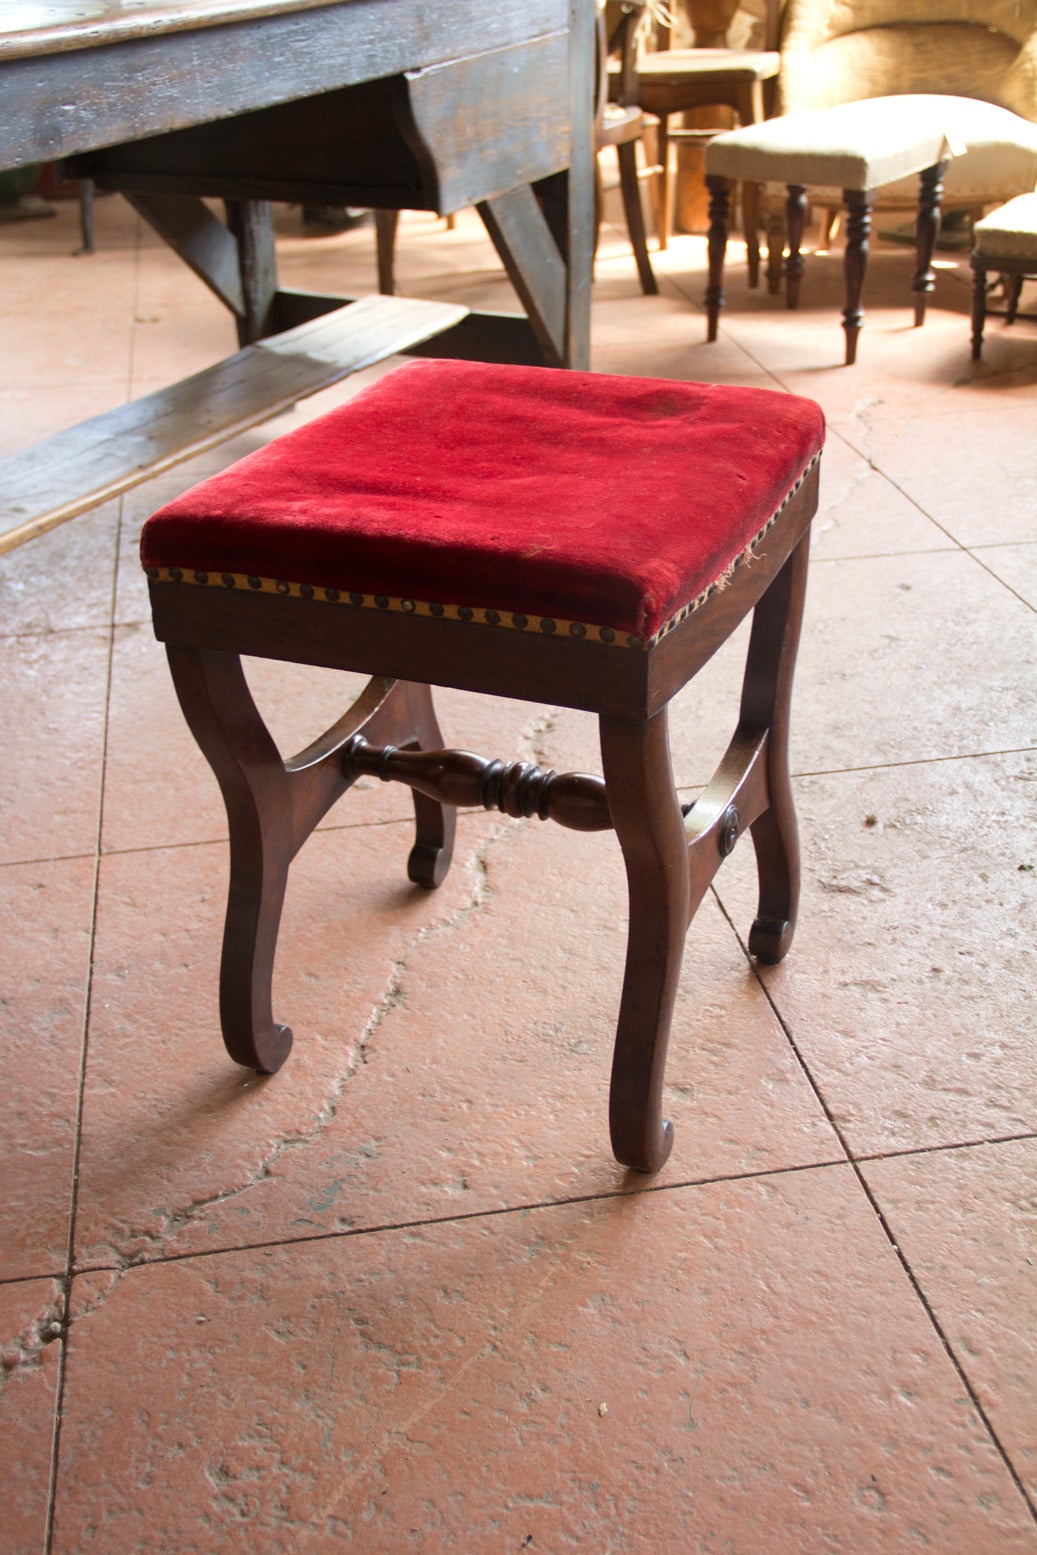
(577, 539)
(673, 81)
(1005, 242)
(858, 49)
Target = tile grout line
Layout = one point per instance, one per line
(391, 1226)
(855, 1163)
(70, 1269)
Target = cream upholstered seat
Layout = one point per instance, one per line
(969, 50)
(1005, 241)
(859, 148)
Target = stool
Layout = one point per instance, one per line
(1005, 241)
(567, 537)
(858, 147)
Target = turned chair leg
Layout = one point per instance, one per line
(272, 807)
(647, 818)
(795, 222)
(979, 309)
(927, 230)
(855, 263)
(719, 220)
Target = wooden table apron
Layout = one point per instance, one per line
(458, 103)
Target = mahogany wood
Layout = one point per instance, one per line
(519, 789)
(795, 221)
(391, 731)
(647, 816)
(855, 262)
(927, 230)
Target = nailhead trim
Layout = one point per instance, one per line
(545, 626)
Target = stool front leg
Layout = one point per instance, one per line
(224, 720)
(766, 703)
(647, 818)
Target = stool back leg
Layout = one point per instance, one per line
(647, 818)
(436, 823)
(766, 701)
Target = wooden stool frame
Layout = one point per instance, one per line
(671, 857)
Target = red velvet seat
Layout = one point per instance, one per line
(568, 537)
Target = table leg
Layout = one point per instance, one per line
(719, 219)
(251, 222)
(795, 221)
(927, 230)
(858, 229)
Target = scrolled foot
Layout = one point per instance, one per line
(770, 939)
(263, 1051)
(428, 865)
(643, 1155)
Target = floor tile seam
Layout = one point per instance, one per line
(912, 1278)
(949, 1349)
(77, 1142)
(843, 435)
(42, 633)
(864, 1158)
(497, 1211)
(46, 858)
(917, 761)
(1030, 605)
(7, 1280)
(885, 556)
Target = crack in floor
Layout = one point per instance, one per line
(135, 1246)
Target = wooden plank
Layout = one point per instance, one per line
(42, 486)
(113, 87)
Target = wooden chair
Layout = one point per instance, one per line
(671, 81)
(1005, 242)
(862, 49)
(577, 539)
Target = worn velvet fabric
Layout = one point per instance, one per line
(609, 500)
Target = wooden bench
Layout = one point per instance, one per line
(75, 470)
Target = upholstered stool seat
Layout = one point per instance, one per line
(567, 537)
(1005, 241)
(858, 148)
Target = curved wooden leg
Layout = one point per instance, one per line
(223, 718)
(647, 818)
(436, 823)
(766, 701)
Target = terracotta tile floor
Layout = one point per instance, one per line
(400, 1297)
